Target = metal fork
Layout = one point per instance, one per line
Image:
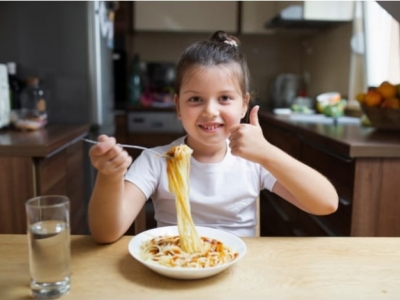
(129, 146)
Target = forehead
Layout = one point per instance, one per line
(223, 75)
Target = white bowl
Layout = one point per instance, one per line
(228, 239)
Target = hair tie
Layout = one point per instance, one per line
(231, 42)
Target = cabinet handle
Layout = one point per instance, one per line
(343, 201)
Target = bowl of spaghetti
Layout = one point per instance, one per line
(159, 249)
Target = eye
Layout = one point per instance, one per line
(195, 99)
(225, 98)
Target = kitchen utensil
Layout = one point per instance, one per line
(130, 146)
(284, 90)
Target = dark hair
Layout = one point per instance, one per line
(221, 48)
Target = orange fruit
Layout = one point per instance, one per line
(373, 98)
(387, 90)
(360, 97)
(391, 103)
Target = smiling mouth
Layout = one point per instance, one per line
(211, 127)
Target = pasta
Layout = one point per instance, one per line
(178, 170)
(187, 249)
(166, 251)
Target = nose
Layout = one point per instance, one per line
(211, 109)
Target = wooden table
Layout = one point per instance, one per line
(273, 268)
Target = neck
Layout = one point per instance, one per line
(207, 153)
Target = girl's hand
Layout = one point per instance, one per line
(109, 158)
(247, 140)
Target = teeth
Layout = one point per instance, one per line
(211, 127)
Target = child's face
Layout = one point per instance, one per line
(210, 102)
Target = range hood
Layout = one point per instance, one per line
(313, 15)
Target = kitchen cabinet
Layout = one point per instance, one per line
(362, 163)
(255, 14)
(43, 162)
(185, 16)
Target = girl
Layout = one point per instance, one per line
(230, 164)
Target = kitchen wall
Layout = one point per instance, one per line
(327, 59)
(323, 56)
(267, 55)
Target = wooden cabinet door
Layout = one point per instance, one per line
(16, 187)
(185, 16)
(63, 174)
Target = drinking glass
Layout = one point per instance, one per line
(49, 246)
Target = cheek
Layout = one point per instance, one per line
(232, 117)
(187, 115)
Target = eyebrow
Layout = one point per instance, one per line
(220, 92)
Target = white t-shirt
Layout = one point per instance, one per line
(222, 195)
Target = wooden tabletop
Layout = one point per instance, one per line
(273, 268)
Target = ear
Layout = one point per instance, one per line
(176, 101)
(246, 102)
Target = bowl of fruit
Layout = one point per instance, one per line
(381, 105)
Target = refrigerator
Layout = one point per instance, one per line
(68, 45)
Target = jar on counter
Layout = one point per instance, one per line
(32, 96)
(32, 114)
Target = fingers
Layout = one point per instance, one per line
(108, 157)
(105, 144)
(254, 116)
(117, 164)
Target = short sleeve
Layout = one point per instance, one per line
(145, 172)
(267, 179)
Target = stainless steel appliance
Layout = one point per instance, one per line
(4, 97)
(284, 90)
(68, 45)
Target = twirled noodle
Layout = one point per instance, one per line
(178, 172)
(187, 249)
(167, 251)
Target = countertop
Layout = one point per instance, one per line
(350, 140)
(273, 268)
(40, 143)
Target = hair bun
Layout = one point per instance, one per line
(223, 37)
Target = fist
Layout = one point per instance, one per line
(108, 157)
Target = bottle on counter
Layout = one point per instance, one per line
(15, 85)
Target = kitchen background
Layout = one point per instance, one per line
(83, 53)
(321, 56)
(55, 47)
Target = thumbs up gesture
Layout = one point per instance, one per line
(247, 140)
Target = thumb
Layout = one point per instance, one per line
(254, 116)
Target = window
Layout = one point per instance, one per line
(375, 48)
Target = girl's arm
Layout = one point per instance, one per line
(296, 182)
(114, 203)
